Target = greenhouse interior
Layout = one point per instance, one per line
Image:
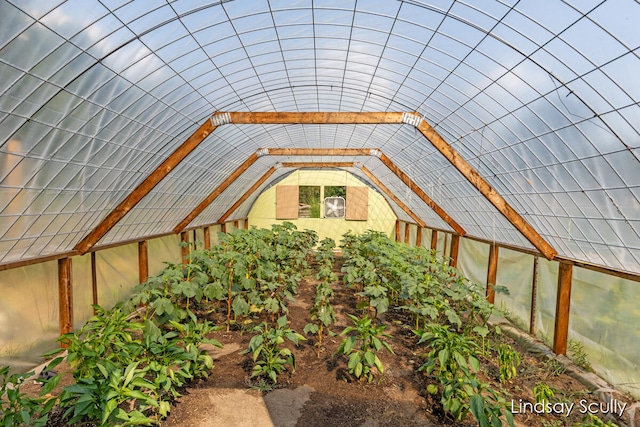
(501, 135)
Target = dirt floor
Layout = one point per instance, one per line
(321, 393)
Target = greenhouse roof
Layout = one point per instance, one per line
(537, 104)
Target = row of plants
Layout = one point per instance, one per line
(130, 363)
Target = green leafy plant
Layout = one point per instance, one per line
(451, 354)
(362, 346)
(20, 409)
(489, 410)
(265, 348)
(590, 420)
(579, 355)
(543, 393)
(508, 362)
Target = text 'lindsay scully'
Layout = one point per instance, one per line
(566, 408)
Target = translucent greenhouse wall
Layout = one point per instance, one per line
(381, 216)
(29, 309)
(603, 318)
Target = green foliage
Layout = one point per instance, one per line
(265, 348)
(508, 362)
(590, 420)
(452, 354)
(543, 393)
(18, 408)
(361, 347)
(127, 372)
(575, 350)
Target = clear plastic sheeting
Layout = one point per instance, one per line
(542, 102)
(604, 319)
(472, 261)
(29, 323)
(546, 301)
(515, 272)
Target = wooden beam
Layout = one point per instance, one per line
(299, 165)
(143, 262)
(316, 118)
(455, 246)
(492, 272)
(419, 236)
(563, 303)
(421, 194)
(246, 223)
(392, 196)
(94, 282)
(145, 187)
(184, 238)
(195, 239)
(434, 240)
(397, 230)
(223, 227)
(319, 151)
(216, 192)
(486, 190)
(407, 230)
(534, 297)
(247, 194)
(207, 237)
(65, 296)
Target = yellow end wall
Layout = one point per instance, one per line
(381, 217)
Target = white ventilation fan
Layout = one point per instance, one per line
(334, 207)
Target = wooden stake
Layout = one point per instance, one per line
(223, 227)
(534, 293)
(184, 238)
(397, 230)
(486, 190)
(65, 297)
(94, 281)
(143, 262)
(492, 272)
(145, 187)
(419, 236)
(455, 245)
(407, 230)
(434, 240)
(563, 303)
(207, 237)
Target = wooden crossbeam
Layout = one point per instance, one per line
(145, 187)
(486, 190)
(301, 165)
(316, 118)
(246, 195)
(216, 192)
(420, 193)
(319, 151)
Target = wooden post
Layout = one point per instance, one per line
(143, 262)
(419, 236)
(246, 223)
(455, 245)
(223, 227)
(563, 303)
(434, 240)
(407, 230)
(65, 296)
(207, 238)
(492, 272)
(195, 239)
(534, 296)
(236, 224)
(94, 281)
(397, 230)
(184, 238)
